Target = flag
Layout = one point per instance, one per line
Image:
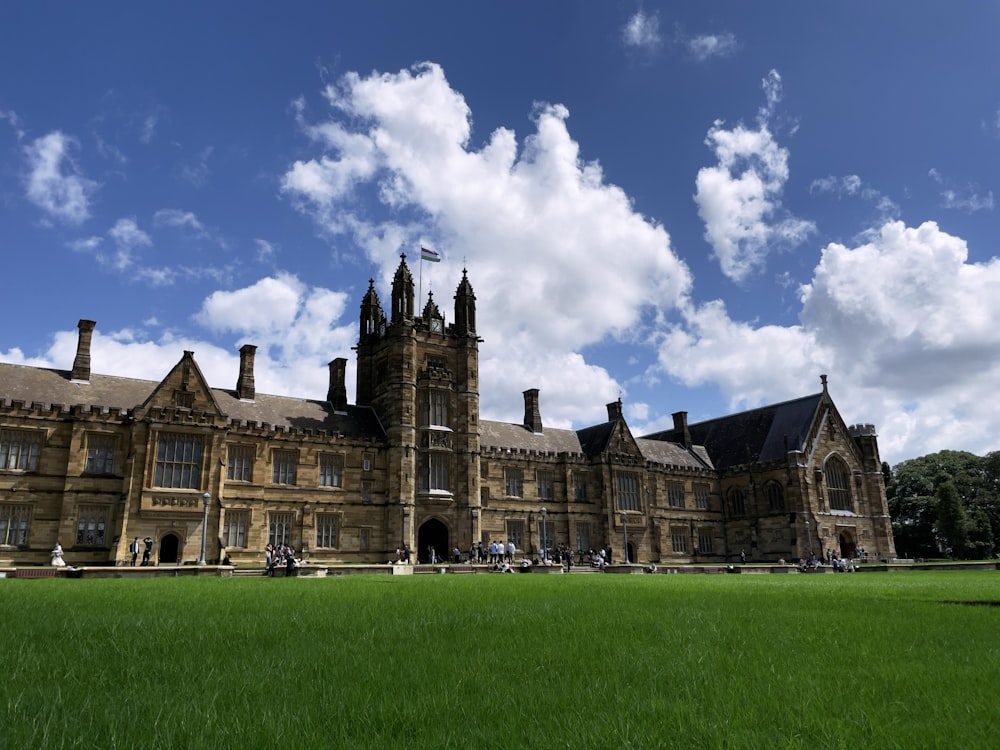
(432, 255)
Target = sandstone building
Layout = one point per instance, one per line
(92, 461)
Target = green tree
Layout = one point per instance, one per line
(952, 521)
(911, 489)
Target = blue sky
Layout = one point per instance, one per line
(693, 208)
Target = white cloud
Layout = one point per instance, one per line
(535, 223)
(172, 217)
(196, 171)
(148, 128)
(739, 199)
(642, 31)
(15, 122)
(127, 237)
(902, 321)
(966, 198)
(54, 183)
(706, 46)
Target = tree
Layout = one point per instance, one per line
(911, 490)
(952, 521)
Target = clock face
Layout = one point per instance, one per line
(436, 325)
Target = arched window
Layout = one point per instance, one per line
(775, 495)
(737, 501)
(838, 484)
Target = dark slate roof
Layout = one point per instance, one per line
(755, 436)
(674, 454)
(517, 436)
(594, 439)
(49, 387)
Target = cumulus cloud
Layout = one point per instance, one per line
(534, 221)
(903, 320)
(739, 199)
(54, 183)
(642, 31)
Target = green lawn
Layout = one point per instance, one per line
(508, 661)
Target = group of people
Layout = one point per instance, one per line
(835, 561)
(145, 546)
(280, 556)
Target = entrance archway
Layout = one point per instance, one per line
(432, 533)
(170, 545)
(848, 548)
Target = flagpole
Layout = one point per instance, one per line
(420, 289)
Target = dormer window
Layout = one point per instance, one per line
(183, 399)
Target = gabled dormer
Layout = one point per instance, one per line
(182, 395)
(432, 316)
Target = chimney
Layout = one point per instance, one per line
(245, 389)
(681, 426)
(532, 414)
(81, 365)
(615, 411)
(337, 394)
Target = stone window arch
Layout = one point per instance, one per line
(737, 499)
(775, 495)
(837, 477)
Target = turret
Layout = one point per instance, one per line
(402, 293)
(465, 307)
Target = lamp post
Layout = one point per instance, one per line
(544, 513)
(206, 499)
(625, 535)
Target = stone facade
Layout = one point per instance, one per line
(93, 461)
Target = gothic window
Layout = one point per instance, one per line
(279, 528)
(679, 541)
(283, 467)
(234, 530)
(544, 485)
(326, 530)
(737, 499)
(580, 487)
(91, 525)
(775, 495)
(514, 482)
(583, 537)
(101, 453)
(838, 487)
(366, 492)
(515, 533)
(331, 470)
(14, 524)
(239, 463)
(701, 496)
(178, 460)
(675, 495)
(437, 409)
(19, 449)
(627, 484)
(704, 541)
(434, 474)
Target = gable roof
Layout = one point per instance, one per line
(755, 436)
(54, 387)
(517, 436)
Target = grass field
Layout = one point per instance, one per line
(515, 661)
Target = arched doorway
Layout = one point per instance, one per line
(170, 546)
(631, 553)
(848, 548)
(432, 533)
